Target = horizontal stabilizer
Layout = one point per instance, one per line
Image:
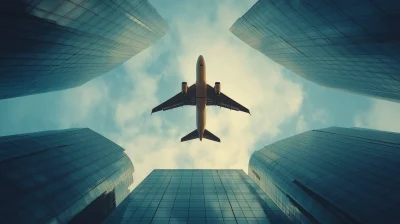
(192, 135)
(210, 136)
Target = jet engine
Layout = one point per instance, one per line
(184, 88)
(217, 88)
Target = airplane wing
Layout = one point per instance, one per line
(222, 100)
(178, 100)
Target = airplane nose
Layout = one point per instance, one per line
(200, 60)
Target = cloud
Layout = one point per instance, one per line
(58, 110)
(383, 115)
(245, 75)
(302, 125)
(80, 102)
(321, 116)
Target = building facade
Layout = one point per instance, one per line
(332, 175)
(197, 196)
(67, 176)
(348, 45)
(54, 45)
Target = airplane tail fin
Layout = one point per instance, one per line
(210, 136)
(195, 134)
(192, 135)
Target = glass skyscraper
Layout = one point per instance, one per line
(197, 196)
(351, 45)
(50, 45)
(332, 175)
(66, 176)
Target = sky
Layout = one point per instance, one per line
(118, 104)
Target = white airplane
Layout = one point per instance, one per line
(200, 95)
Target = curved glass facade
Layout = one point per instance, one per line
(197, 196)
(67, 176)
(332, 175)
(350, 45)
(49, 45)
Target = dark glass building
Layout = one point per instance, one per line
(67, 176)
(50, 45)
(197, 196)
(332, 175)
(352, 45)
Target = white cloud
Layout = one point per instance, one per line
(71, 108)
(245, 75)
(383, 115)
(321, 116)
(79, 102)
(302, 125)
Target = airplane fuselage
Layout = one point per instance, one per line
(201, 96)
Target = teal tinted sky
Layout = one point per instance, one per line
(118, 104)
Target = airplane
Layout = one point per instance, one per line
(200, 95)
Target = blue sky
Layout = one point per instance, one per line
(118, 104)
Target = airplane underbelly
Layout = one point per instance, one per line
(201, 98)
(201, 114)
